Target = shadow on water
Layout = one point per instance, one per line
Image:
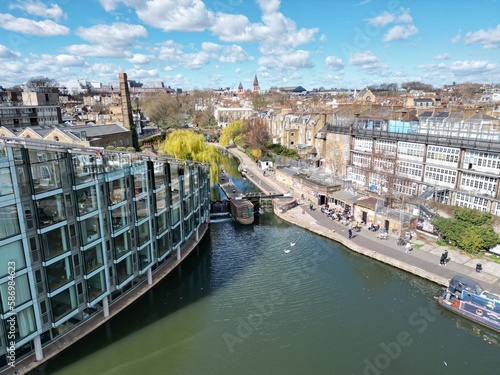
(194, 280)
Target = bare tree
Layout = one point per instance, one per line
(41, 84)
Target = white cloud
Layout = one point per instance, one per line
(400, 32)
(139, 59)
(179, 15)
(116, 35)
(488, 38)
(288, 60)
(457, 38)
(472, 67)
(69, 60)
(97, 51)
(6, 53)
(38, 8)
(386, 18)
(403, 29)
(442, 56)
(27, 26)
(362, 58)
(334, 63)
(171, 51)
(382, 20)
(168, 68)
(369, 63)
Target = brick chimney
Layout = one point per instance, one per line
(126, 106)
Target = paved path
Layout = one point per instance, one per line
(423, 261)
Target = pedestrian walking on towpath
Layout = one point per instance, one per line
(350, 232)
(444, 258)
(408, 247)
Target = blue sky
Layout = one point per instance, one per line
(197, 44)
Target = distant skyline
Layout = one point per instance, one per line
(194, 44)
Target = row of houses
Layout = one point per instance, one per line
(449, 157)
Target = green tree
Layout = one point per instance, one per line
(187, 145)
(470, 230)
(231, 132)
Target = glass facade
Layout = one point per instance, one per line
(84, 225)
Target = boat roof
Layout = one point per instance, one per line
(460, 283)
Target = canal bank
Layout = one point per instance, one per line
(423, 261)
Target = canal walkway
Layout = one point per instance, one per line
(423, 261)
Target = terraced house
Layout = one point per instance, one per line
(452, 157)
(83, 228)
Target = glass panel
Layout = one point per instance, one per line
(24, 323)
(174, 170)
(121, 244)
(96, 285)
(50, 210)
(63, 303)
(187, 184)
(162, 222)
(6, 186)
(3, 153)
(87, 200)
(93, 258)
(114, 161)
(159, 173)
(175, 215)
(119, 218)
(54, 243)
(124, 270)
(9, 222)
(175, 192)
(22, 179)
(83, 168)
(117, 191)
(59, 273)
(12, 252)
(161, 200)
(90, 230)
(19, 292)
(176, 235)
(144, 257)
(141, 209)
(45, 170)
(140, 183)
(164, 245)
(143, 231)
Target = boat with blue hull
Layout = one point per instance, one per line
(465, 297)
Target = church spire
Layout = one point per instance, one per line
(256, 87)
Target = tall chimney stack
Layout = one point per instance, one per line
(128, 120)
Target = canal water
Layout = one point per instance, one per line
(247, 301)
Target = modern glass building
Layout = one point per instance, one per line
(80, 228)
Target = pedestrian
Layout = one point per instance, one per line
(350, 232)
(444, 258)
(408, 247)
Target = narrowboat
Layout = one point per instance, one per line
(465, 297)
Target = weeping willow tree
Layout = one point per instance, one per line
(187, 145)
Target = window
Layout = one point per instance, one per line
(9, 222)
